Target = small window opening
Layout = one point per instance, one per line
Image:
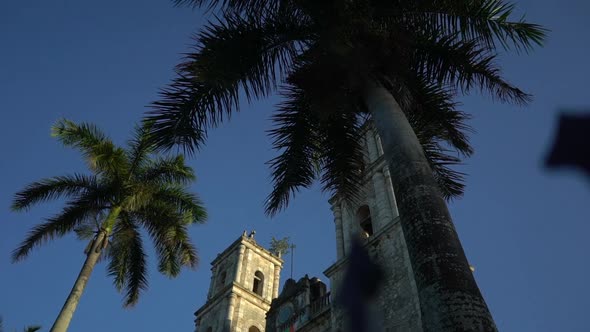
(258, 283)
(253, 329)
(364, 218)
(317, 289)
(315, 292)
(222, 278)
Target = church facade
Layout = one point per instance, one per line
(244, 291)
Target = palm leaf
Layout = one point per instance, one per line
(466, 64)
(210, 79)
(486, 20)
(127, 264)
(84, 136)
(451, 182)
(139, 146)
(296, 135)
(137, 195)
(175, 198)
(247, 6)
(343, 153)
(72, 215)
(441, 129)
(101, 153)
(89, 227)
(168, 233)
(168, 170)
(433, 112)
(53, 188)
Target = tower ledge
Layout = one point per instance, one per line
(250, 243)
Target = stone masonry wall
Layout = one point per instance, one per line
(249, 313)
(396, 307)
(232, 304)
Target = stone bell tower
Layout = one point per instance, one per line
(374, 220)
(244, 281)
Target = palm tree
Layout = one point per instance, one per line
(398, 63)
(128, 189)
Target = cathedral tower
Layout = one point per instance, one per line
(244, 281)
(374, 220)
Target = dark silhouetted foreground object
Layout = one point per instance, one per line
(571, 147)
(361, 282)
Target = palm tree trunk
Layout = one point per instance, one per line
(449, 297)
(67, 311)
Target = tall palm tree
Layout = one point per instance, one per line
(399, 63)
(128, 189)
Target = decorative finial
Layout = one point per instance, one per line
(252, 233)
(245, 233)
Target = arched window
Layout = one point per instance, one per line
(258, 283)
(253, 329)
(363, 216)
(221, 281)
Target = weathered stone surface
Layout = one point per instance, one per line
(234, 303)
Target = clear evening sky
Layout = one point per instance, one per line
(525, 230)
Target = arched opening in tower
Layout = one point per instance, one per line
(258, 283)
(221, 281)
(363, 216)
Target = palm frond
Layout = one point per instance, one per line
(174, 236)
(53, 188)
(175, 198)
(232, 54)
(267, 44)
(343, 153)
(188, 253)
(486, 20)
(465, 64)
(100, 152)
(167, 229)
(296, 136)
(442, 132)
(451, 183)
(159, 233)
(128, 265)
(171, 169)
(85, 231)
(71, 216)
(183, 252)
(433, 112)
(246, 6)
(84, 136)
(88, 228)
(139, 147)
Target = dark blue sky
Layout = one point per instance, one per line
(525, 230)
